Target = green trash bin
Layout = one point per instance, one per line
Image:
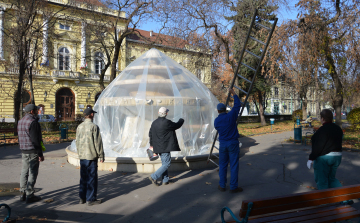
(298, 134)
(63, 131)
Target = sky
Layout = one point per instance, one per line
(284, 14)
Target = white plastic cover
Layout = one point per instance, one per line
(128, 106)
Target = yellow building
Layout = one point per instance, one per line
(66, 77)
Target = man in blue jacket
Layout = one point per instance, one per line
(226, 125)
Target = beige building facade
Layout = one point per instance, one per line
(66, 80)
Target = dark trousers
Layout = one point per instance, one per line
(229, 152)
(29, 173)
(88, 179)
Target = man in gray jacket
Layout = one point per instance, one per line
(90, 148)
(30, 140)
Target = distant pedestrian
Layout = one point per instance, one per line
(226, 125)
(90, 148)
(326, 152)
(163, 140)
(30, 140)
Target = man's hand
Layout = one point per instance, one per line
(309, 162)
(102, 160)
(41, 158)
(232, 91)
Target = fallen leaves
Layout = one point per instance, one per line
(310, 187)
(78, 167)
(208, 183)
(49, 200)
(61, 166)
(123, 174)
(249, 164)
(111, 169)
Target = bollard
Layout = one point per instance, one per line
(272, 121)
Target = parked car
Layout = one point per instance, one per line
(47, 118)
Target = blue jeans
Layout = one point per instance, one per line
(88, 179)
(229, 151)
(325, 171)
(163, 170)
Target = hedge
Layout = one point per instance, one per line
(46, 126)
(354, 118)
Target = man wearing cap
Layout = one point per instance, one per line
(30, 140)
(163, 140)
(226, 126)
(90, 148)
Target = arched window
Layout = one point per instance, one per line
(64, 59)
(99, 62)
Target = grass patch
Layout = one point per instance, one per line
(248, 129)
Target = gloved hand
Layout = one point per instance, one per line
(309, 162)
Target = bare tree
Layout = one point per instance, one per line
(331, 36)
(23, 32)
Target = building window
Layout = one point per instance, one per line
(99, 62)
(65, 27)
(64, 59)
(276, 92)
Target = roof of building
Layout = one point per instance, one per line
(92, 2)
(150, 37)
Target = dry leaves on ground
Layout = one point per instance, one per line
(49, 200)
(208, 183)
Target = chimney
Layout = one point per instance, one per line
(151, 32)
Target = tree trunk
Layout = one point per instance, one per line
(261, 109)
(330, 66)
(317, 101)
(257, 109)
(115, 60)
(18, 95)
(31, 86)
(304, 108)
(102, 75)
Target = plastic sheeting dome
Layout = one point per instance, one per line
(128, 106)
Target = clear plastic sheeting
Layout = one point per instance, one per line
(128, 106)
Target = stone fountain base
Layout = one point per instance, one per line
(143, 164)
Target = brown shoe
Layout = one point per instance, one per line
(221, 189)
(239, 189)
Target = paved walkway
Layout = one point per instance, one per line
(268, 167)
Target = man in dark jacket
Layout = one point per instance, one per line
(30, 140)
(326, 152)
(226, 125)
(163, 140)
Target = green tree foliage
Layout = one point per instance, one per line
(244, 12)
(297, 114)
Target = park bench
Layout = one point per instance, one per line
(8, 130)
(315, 206)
